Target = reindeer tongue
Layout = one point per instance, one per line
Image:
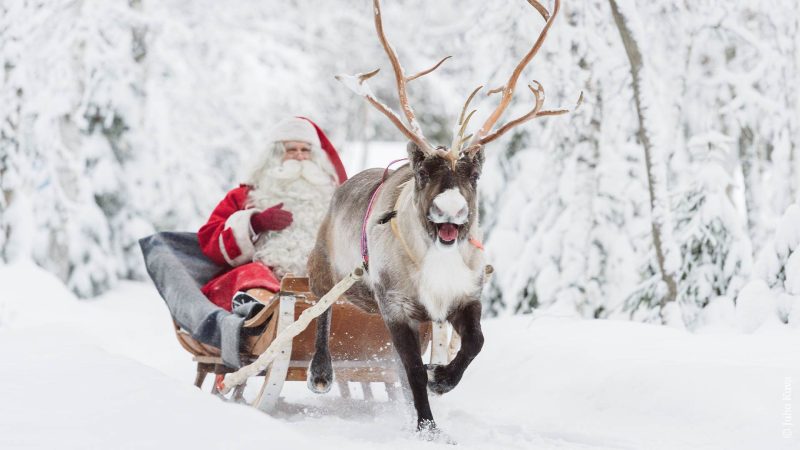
(448, 232)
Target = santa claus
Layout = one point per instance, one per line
(266, 227)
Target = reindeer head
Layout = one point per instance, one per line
(446, 178)
(445, 192)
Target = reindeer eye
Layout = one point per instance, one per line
(422, 177)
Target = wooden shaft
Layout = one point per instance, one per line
(439, 344)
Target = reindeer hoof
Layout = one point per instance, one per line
(428, 431)
(319, 384)
(320, 377)
(439, 379)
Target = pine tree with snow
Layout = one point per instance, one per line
(716, 254)
(774, 293)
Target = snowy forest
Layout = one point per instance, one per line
(669, 196)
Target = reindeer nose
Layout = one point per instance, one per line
(449, 207)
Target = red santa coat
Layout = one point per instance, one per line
(228, 239)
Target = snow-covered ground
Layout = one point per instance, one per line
(109, 374)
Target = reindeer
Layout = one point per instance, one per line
(418, 232)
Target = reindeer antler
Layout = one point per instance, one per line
(357, 83)
(411, 129)
(485, 135)
(458, 137)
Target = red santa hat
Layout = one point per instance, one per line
(298, 129)
(300, 125)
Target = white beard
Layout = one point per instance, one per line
(305, 191)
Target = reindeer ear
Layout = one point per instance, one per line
(417, 157)
(472, 164)
(477, 167)
(478, 158)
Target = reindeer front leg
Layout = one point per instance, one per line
(406, 342)
(466, 322)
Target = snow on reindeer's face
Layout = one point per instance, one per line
(446, 193)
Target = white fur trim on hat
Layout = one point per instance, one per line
(295, 129)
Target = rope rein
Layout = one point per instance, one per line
(399, 235)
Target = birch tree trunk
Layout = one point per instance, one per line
(657, 191)
(748, 159)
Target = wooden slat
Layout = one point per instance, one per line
(366, 374)
(277, 371)
(366, 388)
(208, 359)
(296, 374)
(294, 284)
(344, 388)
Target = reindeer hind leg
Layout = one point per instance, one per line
(320, 371)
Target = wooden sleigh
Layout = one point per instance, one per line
(360, 346)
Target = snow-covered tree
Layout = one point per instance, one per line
(774, 293)
(715, 249)
(121, 118)
(560, 226)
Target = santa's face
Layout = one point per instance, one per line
(296, 150)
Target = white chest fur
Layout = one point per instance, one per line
(445, 280)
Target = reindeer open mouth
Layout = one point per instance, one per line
(449, 212)
(447, 232)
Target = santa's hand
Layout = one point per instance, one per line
(274, 218)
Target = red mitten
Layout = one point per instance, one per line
(274, 218)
